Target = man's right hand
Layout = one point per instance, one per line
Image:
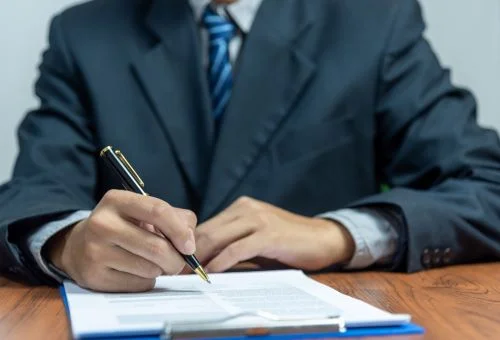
(116, 248)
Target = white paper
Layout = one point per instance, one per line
(288, 294)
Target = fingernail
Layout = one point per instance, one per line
(190, 245)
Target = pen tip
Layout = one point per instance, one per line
(201, 272)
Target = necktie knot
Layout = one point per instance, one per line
(220, 29)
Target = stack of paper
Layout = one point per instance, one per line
(287, 294)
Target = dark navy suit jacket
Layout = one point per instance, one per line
(332, 98)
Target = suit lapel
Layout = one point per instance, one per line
(271, 74)
(171, 76)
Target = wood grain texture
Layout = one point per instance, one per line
(452, 303)
(460, 302)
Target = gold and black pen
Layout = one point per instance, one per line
(132, 182)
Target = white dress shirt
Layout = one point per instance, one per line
(375, 239)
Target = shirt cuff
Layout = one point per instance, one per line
(375, 239)
(42, 235)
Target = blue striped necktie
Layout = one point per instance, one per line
(220, 74)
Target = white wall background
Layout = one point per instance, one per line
(465, 33)
(23, 36)
(466, 36)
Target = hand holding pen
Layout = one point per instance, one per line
(108, 250)
(133, 182)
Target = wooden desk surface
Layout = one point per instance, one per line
(452, 303)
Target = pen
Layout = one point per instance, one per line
(132, 182)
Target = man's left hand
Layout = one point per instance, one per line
(250, 228)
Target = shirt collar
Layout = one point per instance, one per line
(243, 12)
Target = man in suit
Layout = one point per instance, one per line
(263, 129)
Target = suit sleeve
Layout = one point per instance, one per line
(443, 168)
(55, 170)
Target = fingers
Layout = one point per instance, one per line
(127, 242)
(241, 219)
(124, 261)
(145, 244)
(212, 237)
(120, 282)
(239, 251)
(149, 227)
(189, 217)
(177, 226)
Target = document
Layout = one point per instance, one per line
(285, 294)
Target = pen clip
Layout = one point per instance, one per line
(129, 167)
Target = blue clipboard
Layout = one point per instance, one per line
(406, 329)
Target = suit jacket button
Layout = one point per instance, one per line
(437, 257)
(426, 258)
(447, 256)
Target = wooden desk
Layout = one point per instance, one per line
(451, 303)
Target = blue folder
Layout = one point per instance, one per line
(406, 329)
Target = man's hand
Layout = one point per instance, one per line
(119, 247)
(251, 228)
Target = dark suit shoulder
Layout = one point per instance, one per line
(362, 13)
(87, 12)
(364, 25)
(102, 21)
